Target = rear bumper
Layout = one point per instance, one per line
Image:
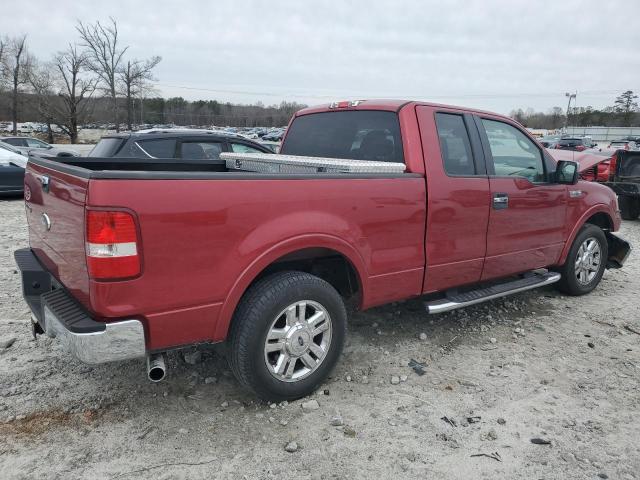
(60, 316)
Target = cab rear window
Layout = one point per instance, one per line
(361, 135)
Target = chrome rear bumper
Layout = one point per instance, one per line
(60, 316)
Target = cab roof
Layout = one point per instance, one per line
(390, 105)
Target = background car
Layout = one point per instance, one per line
(12, 167)
(186, 144)
(624, 144)
(577, 144)
(550, 141)
(29, 144)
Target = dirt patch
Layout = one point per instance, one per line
(38, 423)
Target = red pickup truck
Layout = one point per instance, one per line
(370, 202)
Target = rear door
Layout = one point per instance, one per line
(457, 198)
(526, 223)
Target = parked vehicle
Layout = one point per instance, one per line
(369, 202)
(550, 141)
(578, 144)
(187, 144)
(624, 144)
(12, 167)
(624, 179)
(29, 145)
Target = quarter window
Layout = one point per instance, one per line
(160, 148)
(455, 145)
(514, 154)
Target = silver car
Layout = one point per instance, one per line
(27, 145)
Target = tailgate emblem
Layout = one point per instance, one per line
(46, 221)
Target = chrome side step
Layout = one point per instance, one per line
(453, 300)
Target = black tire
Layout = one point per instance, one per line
(258, 309)
(569, 282)
(629, 207)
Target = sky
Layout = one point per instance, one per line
(495, 55)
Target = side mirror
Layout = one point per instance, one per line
(567, 172)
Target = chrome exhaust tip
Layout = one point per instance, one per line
(156, 369)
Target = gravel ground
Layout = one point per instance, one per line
(534, 366)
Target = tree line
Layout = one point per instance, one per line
(623, 113)
(94, 80)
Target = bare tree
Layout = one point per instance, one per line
(16, 67)
(63, 90)
(135, 76)
(104, 57)
(3, 64)
(42, 84)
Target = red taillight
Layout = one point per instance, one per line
(612, 166)
(111, 245)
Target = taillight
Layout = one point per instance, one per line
(612, 166)
(580, 148)
(111, 245)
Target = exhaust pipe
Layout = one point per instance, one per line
(156, 369)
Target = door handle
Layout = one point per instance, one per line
(500, 201)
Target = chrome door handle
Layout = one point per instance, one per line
(500, 201)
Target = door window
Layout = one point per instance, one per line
(200, 150)
(240, 148)
(17, 142)
(455, 145)
(514, 154)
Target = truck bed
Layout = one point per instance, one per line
(202, 239)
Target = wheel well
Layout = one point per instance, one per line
(601, 220)
(325, 263)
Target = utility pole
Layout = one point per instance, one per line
(571, 96)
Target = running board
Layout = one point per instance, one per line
(453, 300)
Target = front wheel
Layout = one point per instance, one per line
(287, 334)
(586, 261)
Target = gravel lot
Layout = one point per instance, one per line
(535, 366)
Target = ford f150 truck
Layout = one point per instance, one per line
(369, 202)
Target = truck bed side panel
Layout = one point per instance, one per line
(199, 236)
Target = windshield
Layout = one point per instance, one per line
(361, 135)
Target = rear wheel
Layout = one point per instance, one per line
(287, 334)
(585, 262)
(629, 207)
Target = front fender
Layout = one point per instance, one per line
(593, 210)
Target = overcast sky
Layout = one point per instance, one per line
(491, 54)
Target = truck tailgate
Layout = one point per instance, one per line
(55, 209)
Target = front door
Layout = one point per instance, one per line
(457, 198)
(527, 216)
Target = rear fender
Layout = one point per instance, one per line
(276, 252)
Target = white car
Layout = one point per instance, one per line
(9, 154)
